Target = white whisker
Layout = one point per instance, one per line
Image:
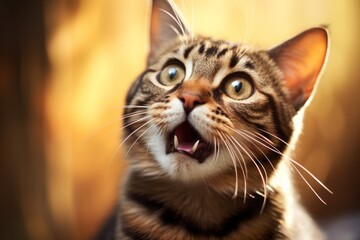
(156, 135)
(312, 175)
(309, 185)
(133, 122)
(264, 180)
(216, 149)
(132, 106)
(245, 172)
(176, 19)
(248, 138)
(292, 162)
(273, 135)
(234, 162)
(178, 34)
(133, 114)
(132, 133)
(142, 134)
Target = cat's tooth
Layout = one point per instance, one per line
(195, 146)
(176, 142)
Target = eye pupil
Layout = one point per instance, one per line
(172, 73)
(237, 85)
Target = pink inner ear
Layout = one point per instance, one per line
(301, 60)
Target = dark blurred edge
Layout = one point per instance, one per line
(108, 229)
(23, 76)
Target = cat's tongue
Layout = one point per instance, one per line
(185, 147)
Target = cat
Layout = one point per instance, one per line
(207, 127)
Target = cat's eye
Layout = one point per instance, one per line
(171, 75)
(238, 87)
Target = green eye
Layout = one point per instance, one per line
(171, 75)
(238, 88)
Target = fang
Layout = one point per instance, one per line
(176, 142)
(195, 146)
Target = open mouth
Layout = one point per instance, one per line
(186, 140)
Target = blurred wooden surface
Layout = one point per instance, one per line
(65, 67)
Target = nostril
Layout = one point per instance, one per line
(190, 101)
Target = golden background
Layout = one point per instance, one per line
(65, 67)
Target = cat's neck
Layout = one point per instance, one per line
(196, 202)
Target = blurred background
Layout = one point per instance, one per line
(65, 67)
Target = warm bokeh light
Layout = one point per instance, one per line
(96, 48)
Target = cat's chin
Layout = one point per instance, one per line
(185, 168)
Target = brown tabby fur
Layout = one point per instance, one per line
(243, 189)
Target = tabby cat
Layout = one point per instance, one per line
(206, 129)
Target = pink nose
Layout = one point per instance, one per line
(190, 101)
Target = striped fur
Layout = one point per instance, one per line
(239, 190)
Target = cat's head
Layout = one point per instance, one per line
(205, 108)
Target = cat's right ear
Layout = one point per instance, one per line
(166, 25)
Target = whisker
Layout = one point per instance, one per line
(245, 173)
(249, 140)
(292, 162)
(180, 21)
(156, 135)
(176, 19)
(178, 34)
(264, 180)
(273, 135)
(132, 133)
(191, 29)
(216, 149)
(273, 148)
(142, 134)
(234, 162)
(117, 120)
(133, 114)
(309, 185)
(312, 175)
(113, 156)
(133, 122)
(244, 52)
(264, 144)
(232, 139)
(132, 106)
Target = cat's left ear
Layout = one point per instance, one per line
(166, 25)
(301, 60)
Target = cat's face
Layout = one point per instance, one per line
(209, 103)
(204, 108)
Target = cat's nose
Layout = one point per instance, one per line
(191, 100)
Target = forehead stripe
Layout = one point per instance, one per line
(222, 52)
(188, 51)
(211, 51)
(234, 60)
(249, 65)
(202, 48)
